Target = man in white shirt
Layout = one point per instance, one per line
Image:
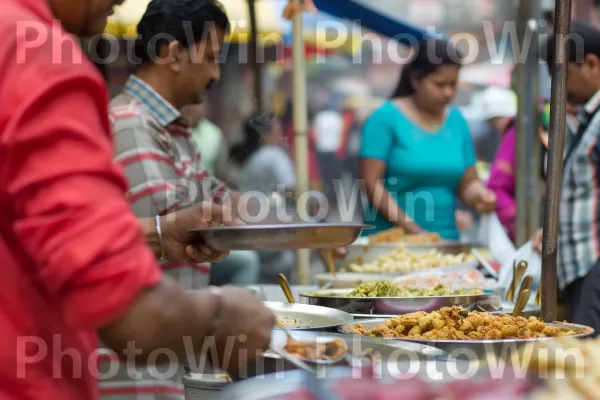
(328, 130)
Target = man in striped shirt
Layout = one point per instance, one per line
(579, 224)
(153, 139)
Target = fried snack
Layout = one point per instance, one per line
(391, 289)
(398, 235)
(403, 260)
(317, 351)
(456, 323)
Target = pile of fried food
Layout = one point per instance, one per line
(331, 350)
(456, 323)
(398, 235)
(391, 289)
(403, 260)
(571, 368)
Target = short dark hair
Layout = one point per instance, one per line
(584, 40)
(428, 57)
(186, 21)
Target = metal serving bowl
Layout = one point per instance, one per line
(390, 306)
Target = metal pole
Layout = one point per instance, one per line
(300, 115)
(558, 114)
(526, 123)
(256, 67)
(533, 102)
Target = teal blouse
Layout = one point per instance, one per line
(424, 168)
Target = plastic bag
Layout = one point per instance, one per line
(492, 235)
(534, 268)
(453, 278)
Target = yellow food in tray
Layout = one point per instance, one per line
(456, 323)
(391, 289)
(403, 260)
(398, 235)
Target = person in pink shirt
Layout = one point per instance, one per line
(502, 181)
(502, 174)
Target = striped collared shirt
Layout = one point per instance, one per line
(579, 229)
(153, 143)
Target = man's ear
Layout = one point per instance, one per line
(173, 56)
(592, 62)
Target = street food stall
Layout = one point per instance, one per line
(368, 340)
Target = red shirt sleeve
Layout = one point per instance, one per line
(69, 213)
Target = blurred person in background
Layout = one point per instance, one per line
(241, 267)
(77, 265)
(328, 137)
(416, 152)
(266, 167)
(211, 143)
(499, 106)
(496, 106)
(502, 174)
(348, 150)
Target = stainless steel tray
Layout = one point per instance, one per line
(471, 349)
(346, 280)
(448, 246)
(386, 352)
(391, 306)
(366, 254)
(309, 316)
(278, 237)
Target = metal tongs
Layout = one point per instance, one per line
(518, 273)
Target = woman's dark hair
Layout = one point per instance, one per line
(428, 56)
(255, 127)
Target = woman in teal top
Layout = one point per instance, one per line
(416, 151)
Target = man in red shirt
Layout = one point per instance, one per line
(74, 258)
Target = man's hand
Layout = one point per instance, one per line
(242, 329)
(536, 240)
(177, 239)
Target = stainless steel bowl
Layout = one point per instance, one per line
(390, 306)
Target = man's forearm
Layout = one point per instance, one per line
(161, 318)
(151, 235)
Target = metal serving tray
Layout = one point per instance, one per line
(472, 349)
(309, 316)
(278, 237)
